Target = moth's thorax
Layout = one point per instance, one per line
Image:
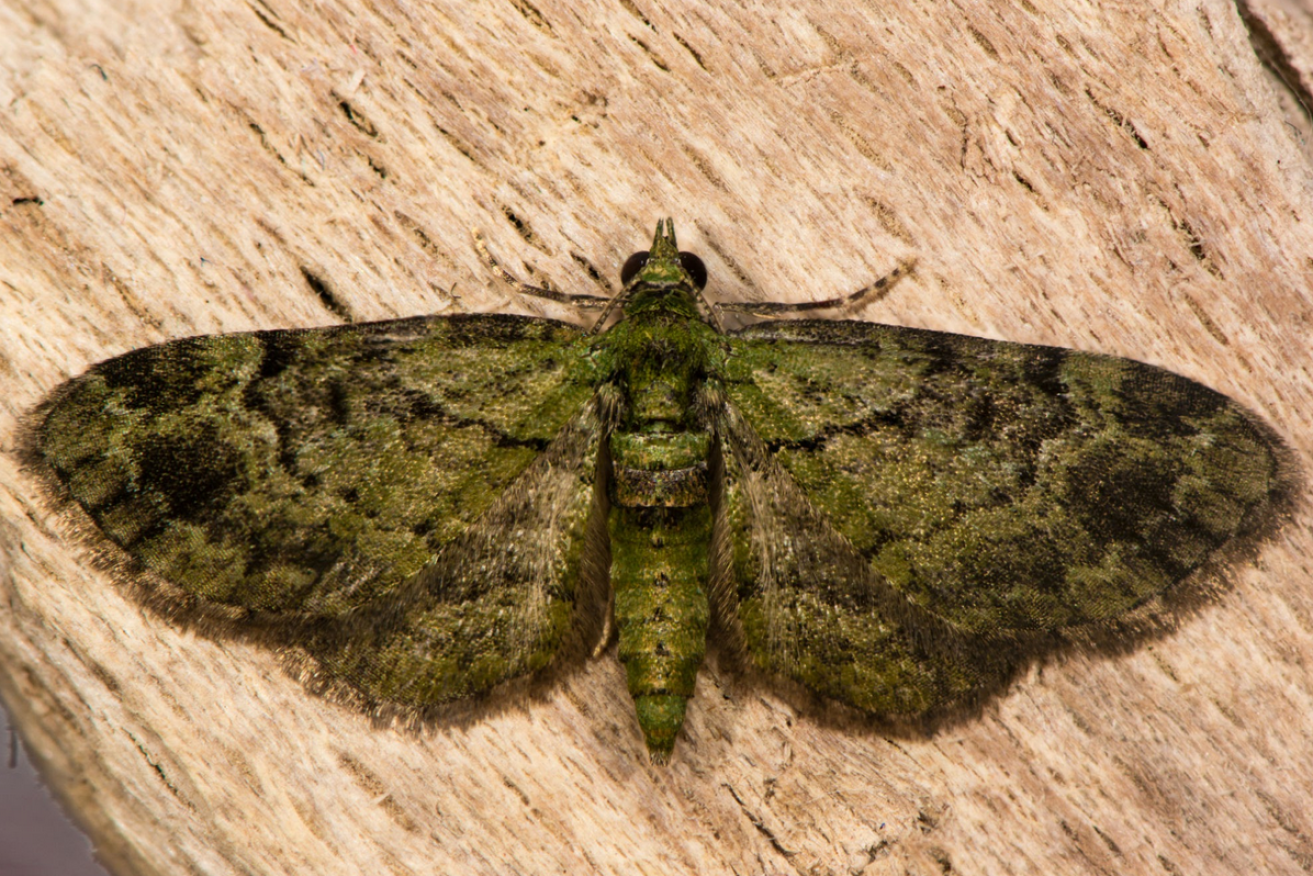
(658, 359)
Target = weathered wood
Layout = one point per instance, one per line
(1120, 177)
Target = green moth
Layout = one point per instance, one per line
(429, 507)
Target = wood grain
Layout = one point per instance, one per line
(1130, 178)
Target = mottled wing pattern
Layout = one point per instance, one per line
(305, 474)
(1000, 489)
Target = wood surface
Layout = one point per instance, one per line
(1125, 177)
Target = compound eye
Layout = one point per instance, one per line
(633, 265)
(693, 266)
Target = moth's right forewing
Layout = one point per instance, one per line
(305, 473)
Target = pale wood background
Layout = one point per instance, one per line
(1127, 177)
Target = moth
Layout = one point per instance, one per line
(884, 515)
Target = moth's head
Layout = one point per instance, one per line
(663, 266)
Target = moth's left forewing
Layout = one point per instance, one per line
(1005, 489)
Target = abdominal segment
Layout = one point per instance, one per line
(660, 528)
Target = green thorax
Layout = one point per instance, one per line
(662, 351)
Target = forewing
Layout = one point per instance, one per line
(1004, 488)
(307, 472)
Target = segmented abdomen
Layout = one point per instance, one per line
(660, 527)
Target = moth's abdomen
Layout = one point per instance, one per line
(660, 528)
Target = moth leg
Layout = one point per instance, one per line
(587, 302)
(606, 314)
(874, 292)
